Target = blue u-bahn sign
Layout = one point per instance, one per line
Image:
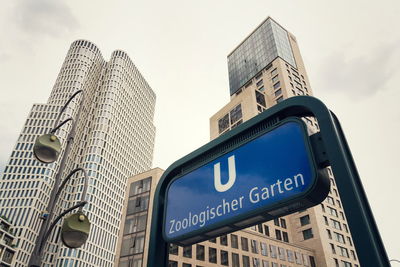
(271, 174)
(267, 167)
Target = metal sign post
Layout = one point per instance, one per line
(329, 147)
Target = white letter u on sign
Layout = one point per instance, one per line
(232, 175)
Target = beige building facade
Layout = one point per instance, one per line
(323, 228)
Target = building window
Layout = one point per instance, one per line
(236, 114)
(280, 99)
(266, 230)
(245, 244)
(276, 221)
(305, 220)
(339, 238)
(336, 262)
(307, 234)
(329, 233)
(336, 224)
(224, 240)
(312, 261)
(260, 98)
(290, 255)
(322, 207)
(186, 265)
(275, 78)
(260, 82)
(246, 261)
(349, 241)
(343, 252)
(172, 264)
(278, 92)
(277, 85)
(187, 251)
(200, 252)
(264, 250)
(333, 212)
(353, 254)
(213, 240)
(234, 241)
(173, 249)
(260, 228)
(224, 258)
(254, 246)
(278, 234)
(223, 123)
(281, 252)
(297, 257)
(235, 260)
(256, 262)
(333, 248)
(285, 236)
(212, 255)
(283, 223)
(330, 200)
(346, 264)
(272, 251)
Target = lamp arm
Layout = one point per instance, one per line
(59, 125)
(69, 177)
(63, 109)
(57, 219)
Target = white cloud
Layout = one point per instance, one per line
(44, 17)
(360, 76)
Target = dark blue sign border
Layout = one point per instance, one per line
(314, 195)
(330, 147)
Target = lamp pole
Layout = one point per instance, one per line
(47, 154)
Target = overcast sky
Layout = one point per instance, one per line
(351, 51)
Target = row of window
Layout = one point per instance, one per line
(262, 248)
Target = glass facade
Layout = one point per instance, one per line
(266, 43)
(135, 224)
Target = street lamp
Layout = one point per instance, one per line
(76, 227)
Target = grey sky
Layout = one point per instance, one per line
(351, 51)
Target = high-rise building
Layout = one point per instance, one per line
(7, 242)
(114, 140)
(264, 69)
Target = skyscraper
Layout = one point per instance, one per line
(114, 140)
(265, 69)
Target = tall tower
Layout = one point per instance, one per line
(265, 69)
(114, 139)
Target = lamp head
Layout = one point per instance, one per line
(75, 230)
(47, 148)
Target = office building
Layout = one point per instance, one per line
(7, 243)
(114, 140)
(264, 69)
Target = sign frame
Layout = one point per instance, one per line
(333, 151)
(311, 197)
